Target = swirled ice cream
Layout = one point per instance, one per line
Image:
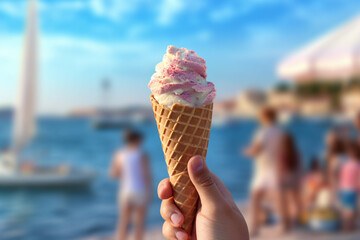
(181, 78)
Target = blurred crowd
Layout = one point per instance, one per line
(286, 191)
(321, 195)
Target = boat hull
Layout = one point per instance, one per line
(75, 178)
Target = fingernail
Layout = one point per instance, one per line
(197, 164)
(181, 236)
(175, 218)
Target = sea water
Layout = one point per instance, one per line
(59, 214)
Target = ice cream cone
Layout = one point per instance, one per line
(184, 132)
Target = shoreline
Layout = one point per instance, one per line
(267, 233)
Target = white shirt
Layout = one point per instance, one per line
(133, 180)
(269, 139)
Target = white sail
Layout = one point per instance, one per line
(24, 124)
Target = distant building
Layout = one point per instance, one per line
(225, 107)
(316, 107)
(283, 101)
(350, 102)
(249, 102)
(82, 112)
(224, 111)
(133, 112)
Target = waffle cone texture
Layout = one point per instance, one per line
(184, 132)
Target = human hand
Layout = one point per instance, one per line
(217, 218)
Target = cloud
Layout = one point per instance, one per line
(55, 45)
(98, 7)
(115, 9)
(239, 8)
(69, 64)
(163, 12)
(13, 9)
(336, 12)
(168, 11)
(70, 5)
(72, 64)
(18, 8)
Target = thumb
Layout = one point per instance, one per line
(203, 181)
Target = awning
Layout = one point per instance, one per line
(335, 56)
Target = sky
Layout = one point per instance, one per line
(85, 41)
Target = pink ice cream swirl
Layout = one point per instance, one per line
(181, 78)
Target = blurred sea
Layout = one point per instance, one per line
(72, 214)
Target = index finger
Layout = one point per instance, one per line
(165, 189)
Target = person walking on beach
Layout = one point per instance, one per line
(265, 150)
(349, 181)
(131, 166)
(289, 182)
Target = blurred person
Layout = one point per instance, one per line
(7, 161)
(218, 217)
(28, 167)
(265, 150)
(5, 150)
(289, 179)
(313, 182)
(323, 216)
(131, 165)
(345, 131)
(349, 180)
(334, 156)
(357, 127)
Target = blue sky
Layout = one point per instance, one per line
(83, 41)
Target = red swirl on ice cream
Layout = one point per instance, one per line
(181, 78)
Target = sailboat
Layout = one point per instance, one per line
(12, 174)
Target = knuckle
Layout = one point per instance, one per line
(205, 180)
(166, 231)
(163, 183)
(160, 187)
(227, 209)
(166, 209)
(163, 210)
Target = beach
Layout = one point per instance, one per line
(41, 214)
(267, 233)
(79, 146)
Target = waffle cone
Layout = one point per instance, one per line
(184, 132)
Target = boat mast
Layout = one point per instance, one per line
(106, 86)
(24, 123)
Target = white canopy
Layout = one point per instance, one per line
(333, 56)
